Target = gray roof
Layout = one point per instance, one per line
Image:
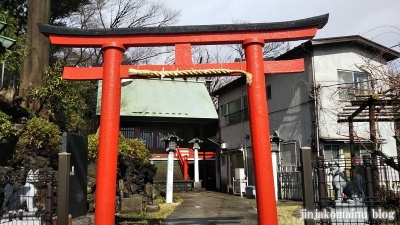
(385, 52)
(155, 98)
(319, 21)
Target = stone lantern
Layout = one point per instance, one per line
(171, 144)
(275, 148)
(196, 146)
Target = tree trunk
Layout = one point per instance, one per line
(37, 59)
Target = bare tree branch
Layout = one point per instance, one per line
(116, 14)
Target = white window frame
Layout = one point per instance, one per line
(332, 149)
(349, 86)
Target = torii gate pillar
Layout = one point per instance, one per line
(109, 134)
(259, 129)
(114, 41)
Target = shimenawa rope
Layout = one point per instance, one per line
(177, 73)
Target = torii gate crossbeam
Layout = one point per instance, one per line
(114, 41)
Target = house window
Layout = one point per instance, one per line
(331, 151)
(128, 132)
(269, 92)
(351, 83)
(362, 149)
(234, 111)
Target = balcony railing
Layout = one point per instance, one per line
(349, 93)
(237, 116)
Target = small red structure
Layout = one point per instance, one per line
(114, 41)
(189, 155)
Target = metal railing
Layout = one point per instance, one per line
(238, 116)
(183, 164)
(365, 191)
(186, 154)
(31, 200)
(289, 183)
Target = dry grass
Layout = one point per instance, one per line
(289, 214)
(150, 218)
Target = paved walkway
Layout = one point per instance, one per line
(213, 208)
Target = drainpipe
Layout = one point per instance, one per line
(224, 147)
(242, 134)
(315, 103)
(228, 171)
(241, 116)
(246, 137)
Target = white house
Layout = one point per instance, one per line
(303, 107)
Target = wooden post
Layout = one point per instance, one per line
(49, 204)
(308, 186)
(63, 188)
(352, 153)
(322, 188)
(370, 198)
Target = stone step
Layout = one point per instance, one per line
(198, 189)
(162, 168)
(178, 186)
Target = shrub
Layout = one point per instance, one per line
(7, 129)
(41, 139)
(40, 134)
(71, 105)
(93, 145)
(133, 148)
(138, 150)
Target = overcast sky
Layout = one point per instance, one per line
(378, 20)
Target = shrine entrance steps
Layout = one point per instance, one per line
(180, 185)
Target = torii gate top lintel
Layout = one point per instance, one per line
(211, 34)
(114, 41)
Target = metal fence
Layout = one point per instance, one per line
(288, 172)
(365, 191)
(289, 183)
(28, 199)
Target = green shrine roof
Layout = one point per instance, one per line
(166, 98)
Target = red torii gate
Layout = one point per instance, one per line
(114, 41)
